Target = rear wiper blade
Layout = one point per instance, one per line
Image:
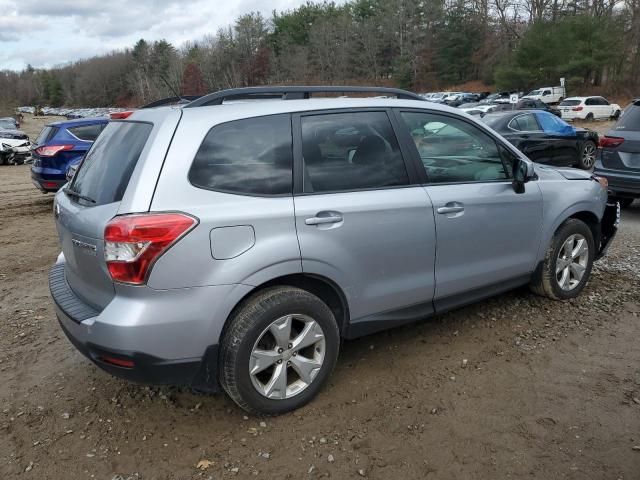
(73, 193)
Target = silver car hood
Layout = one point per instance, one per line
(566, 172)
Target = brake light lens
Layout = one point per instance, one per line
(120, 115)
(133, 243)
(52, 150)
(577, 109)
(611, 142)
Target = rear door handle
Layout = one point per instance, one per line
(451, 207)
(322, 220)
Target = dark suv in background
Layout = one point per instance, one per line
(619, 156)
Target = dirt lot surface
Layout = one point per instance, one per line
(549, 390)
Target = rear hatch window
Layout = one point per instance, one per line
(46, 134)
(630, 119)
(105, 172)
(569, 103)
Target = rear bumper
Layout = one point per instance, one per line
(620, 183)
(160, 344)
(147, 369)
(45, 181)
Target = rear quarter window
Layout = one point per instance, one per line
(46, 134)
(248, 156)
(105, 172)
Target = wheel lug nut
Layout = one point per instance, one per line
(279, 362)
(288, 363)
(280, 350)
(295, 353)
(290, 345)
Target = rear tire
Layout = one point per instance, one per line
(563, 274)
(589, 117)
(588, 155)
(294, 375)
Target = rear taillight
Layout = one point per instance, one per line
(610, 142)
(577, 109)
(52, 150)
(132, 243)
(120, 115)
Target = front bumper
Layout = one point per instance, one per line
(136, 332)
(608, 228)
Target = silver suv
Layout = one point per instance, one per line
(232, 242)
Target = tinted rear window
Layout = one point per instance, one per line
(87, 132)
(630, 119)
(249, 156)
(569, 103)
(106, 170)
(46, 134)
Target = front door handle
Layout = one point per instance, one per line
(451, 207)
(322, 220)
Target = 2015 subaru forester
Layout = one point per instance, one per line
(235, 242)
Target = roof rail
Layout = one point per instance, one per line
(293, 93)
(170, 100)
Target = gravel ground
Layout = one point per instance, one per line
(514, 387)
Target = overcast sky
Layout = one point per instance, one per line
(45, 33)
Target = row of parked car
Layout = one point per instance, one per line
(71, 113)
(533, 126)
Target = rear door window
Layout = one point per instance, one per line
(88, 133)
(553, 125)
(252, 156)
(105, 172)
(350, 151)
(525, 123)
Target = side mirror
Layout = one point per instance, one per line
(522, 173)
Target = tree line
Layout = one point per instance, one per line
(421, 45)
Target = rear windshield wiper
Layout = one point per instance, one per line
(73, 193)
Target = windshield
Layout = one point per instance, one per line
(7, 124)
(569, 103)
(104, 174)
(534, 93)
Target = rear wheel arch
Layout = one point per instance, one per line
(323, 288)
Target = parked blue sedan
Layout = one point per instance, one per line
(59, 146)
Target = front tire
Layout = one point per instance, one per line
(616, 115)
(278, 350)
(567, 264)
(588, 155)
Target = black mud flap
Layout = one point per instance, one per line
(608, 227)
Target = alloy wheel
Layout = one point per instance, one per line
(287, 356)
(572, 261)
(589, 155)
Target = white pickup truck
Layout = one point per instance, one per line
(547, 94)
